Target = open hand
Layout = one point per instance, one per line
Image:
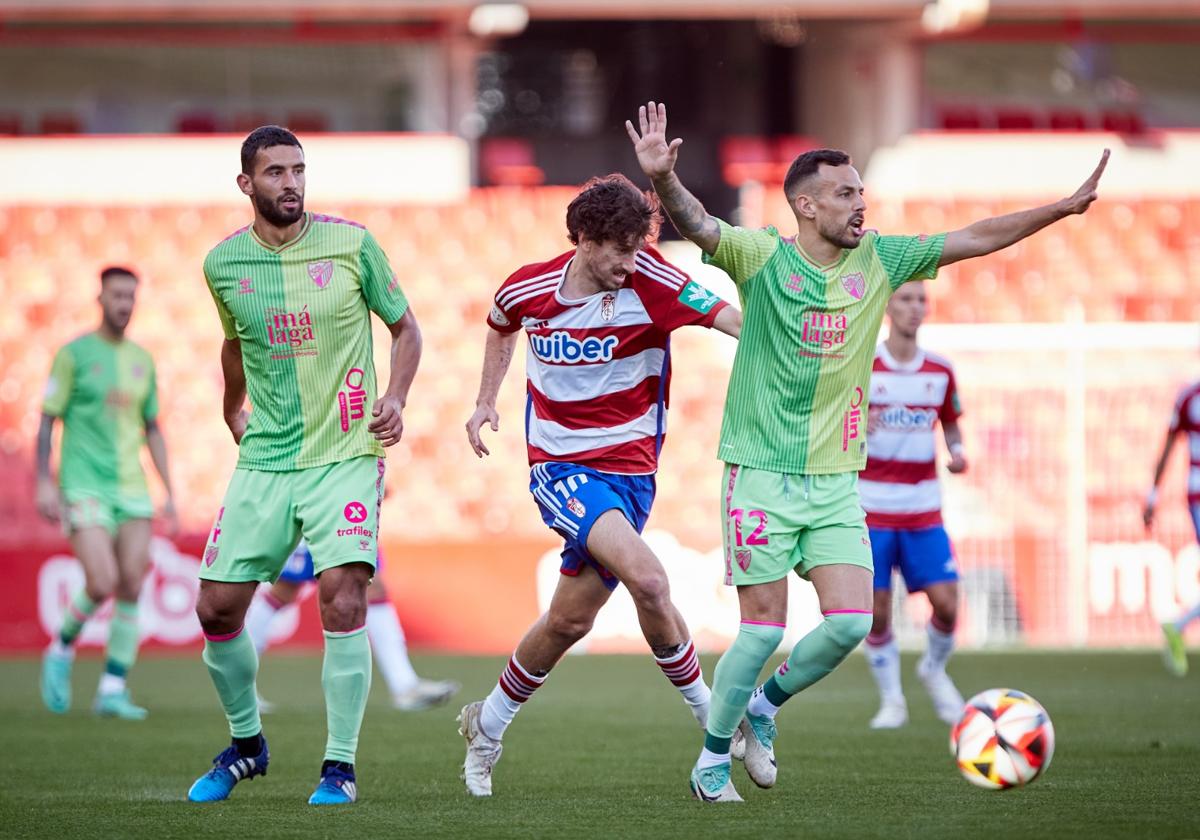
(655, 155)
(1086, 194)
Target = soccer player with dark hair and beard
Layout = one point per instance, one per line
(105, 390)
(794, 434)
(293, 291)
(599, 319)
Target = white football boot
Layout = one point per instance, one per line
(947, 702)
(482, 752)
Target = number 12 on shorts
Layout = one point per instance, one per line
(757, 537)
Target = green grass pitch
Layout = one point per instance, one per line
(604, 750)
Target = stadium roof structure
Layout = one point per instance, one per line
(79, 11)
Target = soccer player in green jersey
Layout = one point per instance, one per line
(294, 292)
(103, 387)
(793, 436)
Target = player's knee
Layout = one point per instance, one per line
(569, 626)
(759, 641)
(651, 590)
(128, 590)
(216, 617)
(100, 587)
(847, 630)
(345, 609)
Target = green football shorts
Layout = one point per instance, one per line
(93, 509)
(334, 507)
(773, 523)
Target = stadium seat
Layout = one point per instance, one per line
(197, 122)
(59, 123)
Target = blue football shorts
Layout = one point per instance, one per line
(571, 498)
(923, 556)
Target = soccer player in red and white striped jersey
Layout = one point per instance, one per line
(1185, 419)
(912, 390)
(599, 320)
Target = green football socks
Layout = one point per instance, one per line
(233, 664)
(735, 677)
(346, 678)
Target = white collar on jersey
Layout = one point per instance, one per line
(911, 366)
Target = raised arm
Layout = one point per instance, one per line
(988, 235)
(1152, 496)
(729, 321)
(497, 355)
(387, 416)
(157, 445)
(657, 158)
(47, 499)
(233, 403)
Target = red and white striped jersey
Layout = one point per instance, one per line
(1186, 418)
(598, 369)
(899, 487)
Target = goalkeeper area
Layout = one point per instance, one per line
(606, 736)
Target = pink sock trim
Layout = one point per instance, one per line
(841, 612)
(340, 634)
(939, 626)
(764, 623)
(224, 637)
(882, 639)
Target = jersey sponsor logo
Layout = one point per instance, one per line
(855, 285)
(560, 346)
(608, 306)
(823, 330)
(321, 272)
(355, 512)
(118, 400)
(498, 317)
(698, 297)
(355, 531)
(352, 400)
(576, 507)
(245, 286)
(902, 418)
(852, 420)
(291, 329)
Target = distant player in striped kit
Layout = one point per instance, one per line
(1185, 419)
(794, 432)
(912, 390)
(105, 390)
(294, 292)
(599, 320)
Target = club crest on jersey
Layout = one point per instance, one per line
(855, 285)
(321, 272)
(576, 507)
(608, 307)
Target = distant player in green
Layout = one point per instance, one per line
(794, 433)
(294, 292)
(103, 387)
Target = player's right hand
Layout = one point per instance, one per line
(47, 499)
(655, 155)
(483, 414)
(237, 425)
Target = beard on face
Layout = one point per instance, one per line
(840, 236)
(274, 212)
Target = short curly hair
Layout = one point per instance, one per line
(610, 208)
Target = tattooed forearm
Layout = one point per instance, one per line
(687, 213)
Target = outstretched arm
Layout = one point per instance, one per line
(1152, 496)
(729, 321)
(497, 354)
(988, 235)
(387, 415)
(657, 158)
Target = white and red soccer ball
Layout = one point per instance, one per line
(1004, 739)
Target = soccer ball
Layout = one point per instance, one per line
(1004, 739)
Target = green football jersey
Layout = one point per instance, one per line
(301, 314)
(797, 397)
(104, 391)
